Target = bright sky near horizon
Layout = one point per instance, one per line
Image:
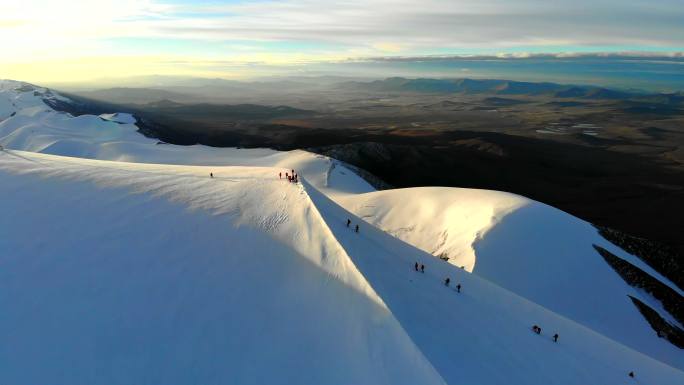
(47, 40)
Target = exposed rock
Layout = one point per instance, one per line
(672, 302)
(660, 257)
(351, 153)
(664, 329)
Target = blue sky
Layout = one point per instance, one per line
(79, 39)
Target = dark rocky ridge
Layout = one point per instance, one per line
(657, 255)
(672, 302)
(663, 329)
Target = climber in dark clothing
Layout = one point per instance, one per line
(631, 374)
(348, 222)
(211, 175)
(536, 329)
(280, 175)
(555, 337)
(446, 281)
(422, 268)
(356, 229)
(416, 266)
(458, 288)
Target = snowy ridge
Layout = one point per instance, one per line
(253, 202)
(238, 199)
(148, 271)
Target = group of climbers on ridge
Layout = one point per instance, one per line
(290, 176)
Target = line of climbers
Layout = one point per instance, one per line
(447, 280)
(535, 328)
(294, 178)
(356, 229)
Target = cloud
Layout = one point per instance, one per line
(438, 23)
(674, 56)
(302, 31)
(370, 25)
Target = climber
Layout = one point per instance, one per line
(446, 281)
(458, 288)
(555, 337)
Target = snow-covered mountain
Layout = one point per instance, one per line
(122, 261)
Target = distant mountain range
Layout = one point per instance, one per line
(507, 87)
(201, 91)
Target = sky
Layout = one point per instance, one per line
(76, 40)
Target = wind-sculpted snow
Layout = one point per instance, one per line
(135, 266)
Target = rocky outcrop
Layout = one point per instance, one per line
(664, 329)
(349, 154)
(660, 257)
(672, 301)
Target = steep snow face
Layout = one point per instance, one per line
(563, 272)
(532, 249)
(445, 222)
(160, 274)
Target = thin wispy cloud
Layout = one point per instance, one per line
(306, 30)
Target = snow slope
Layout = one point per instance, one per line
(249, 279)
(229, 276)
(195, 296)
(530, 248)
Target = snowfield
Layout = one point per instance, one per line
(122, 261)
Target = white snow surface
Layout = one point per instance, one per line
(119, 117)
(134, 266)
(527, 247)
